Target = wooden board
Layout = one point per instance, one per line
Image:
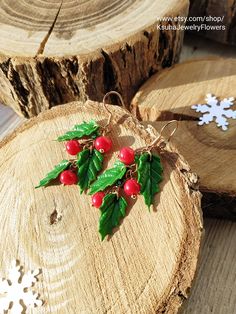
(214, 288)
(226, 32)
(55, 52)
(8, 121)
(210, 151)
(149, 263)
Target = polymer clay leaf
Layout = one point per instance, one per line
(80, 130)
(109, 177)
(89, 164)
(54, 173)
(112, 211)
(149, 176)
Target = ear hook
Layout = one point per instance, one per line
(148, 148)
(174, 130)
(105, 105)
(113, 93)
(154, 143)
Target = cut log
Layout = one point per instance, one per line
(210, 151)
(221, 23)
(147, 266)
(56, 52)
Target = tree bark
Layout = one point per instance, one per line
(69, 51)
(147, 266)
(209, 150)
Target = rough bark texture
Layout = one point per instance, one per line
(209, 150)
(147, 266)
(31, 84)
(215, 8)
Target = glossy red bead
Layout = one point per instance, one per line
(127, 155)
(73, 147)
(132, 187)
(68, 177)
(103, 144)
(97, 199)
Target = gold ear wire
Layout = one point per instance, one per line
(114, 93)
(154, 143)
(105, 105)
(148, 148)
(174, 130)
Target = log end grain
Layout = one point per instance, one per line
(149, 263)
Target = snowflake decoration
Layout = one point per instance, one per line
(216, 109)
(14, 291)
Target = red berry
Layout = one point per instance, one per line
(97, 199)
(131, 187)
(68, 177)
(127, 155)
(73, 147)
(103, 144)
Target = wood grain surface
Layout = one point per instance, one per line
(54, 52)
(148, 264)
(8, 121)
(171, 95)
(214, 288)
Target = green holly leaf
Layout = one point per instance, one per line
(80, 130)
(89, 164)
(109, 177)
(64, 164)
(149, 176)
(112, 211)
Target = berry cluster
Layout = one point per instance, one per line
(131, 186)
(135, 172)
(73, 147)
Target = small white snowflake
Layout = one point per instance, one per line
(216, 109)
(15, 296)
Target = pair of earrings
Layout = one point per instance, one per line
(135, 172)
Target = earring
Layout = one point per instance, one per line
(88, 142)
(135, 172)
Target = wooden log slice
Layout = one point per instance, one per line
(54, 52)
(219, 18)
(210, 151)
(147, 266)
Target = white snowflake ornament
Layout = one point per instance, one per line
(216, 109)
(15, 296)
